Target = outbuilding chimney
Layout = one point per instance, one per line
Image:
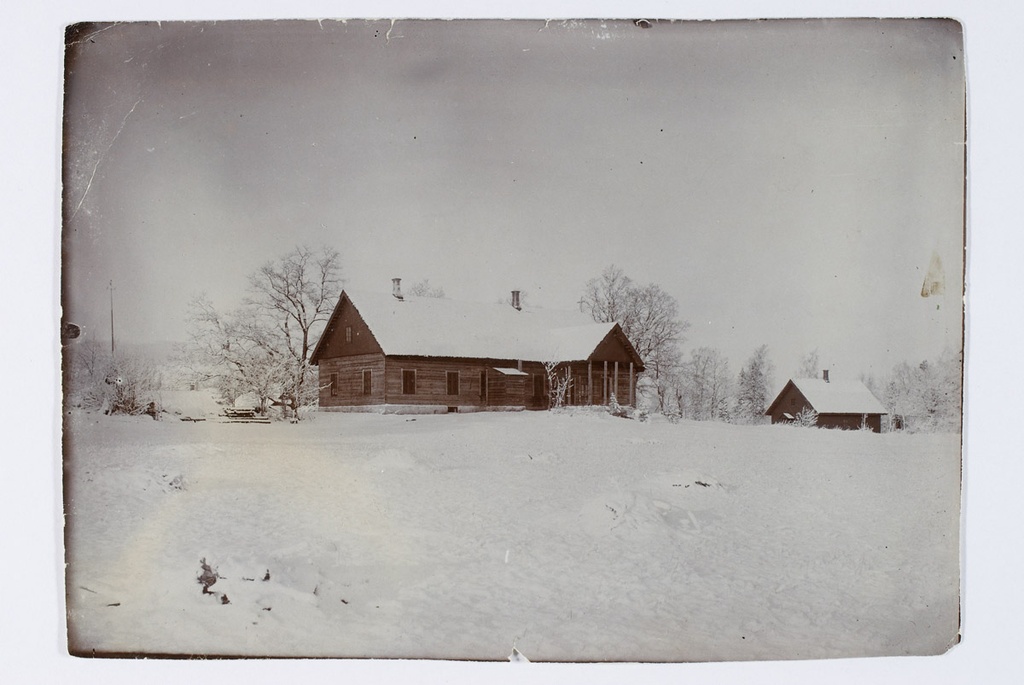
(824, 375)
(396, 288)
(515, 300)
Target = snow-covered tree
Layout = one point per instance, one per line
(559, 382)
(806, 418)
(125, 384)
(810, 366)
(753, 387)
(928, 396)
(706, 385)
(264, 347)
(424, 289)
(609, 297)
(233, 353)
(649, 317)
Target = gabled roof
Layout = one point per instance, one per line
(439, 327)
(834, 397)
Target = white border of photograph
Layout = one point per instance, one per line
(33, 627)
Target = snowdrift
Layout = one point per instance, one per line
(574, 537)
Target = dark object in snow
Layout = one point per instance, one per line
(267, 576)
(224, 599)
(115, 604)
(207, 577)
(151, 410)
(232, 415)
(702, 483)
(344, 601)
(267, 608)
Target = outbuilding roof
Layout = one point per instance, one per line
(835, 397)
(439, 327)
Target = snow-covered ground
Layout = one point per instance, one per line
(575, 537)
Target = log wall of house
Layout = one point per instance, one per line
(791, 402)
(338, 344)
(432, 381)
(593, 385)
(850, 421)
(611, 349)
(348, 373)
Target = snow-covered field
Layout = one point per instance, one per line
(574, 537)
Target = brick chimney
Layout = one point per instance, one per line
(515, 300)
(396, 288)
(824, 375)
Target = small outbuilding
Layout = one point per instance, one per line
(400, 354)
(838, 404)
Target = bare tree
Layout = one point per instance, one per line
(649, 317)
(559, 382)
(706, 385)
(810, 366)
(234, 353)
(291, 300)
(424, 289)
(264, 347)
(654, 327)
(609, 297)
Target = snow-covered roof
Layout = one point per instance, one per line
(439, 327)
(510, 372)
(838, 396)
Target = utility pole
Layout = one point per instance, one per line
(111, 319)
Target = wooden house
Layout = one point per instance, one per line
(398, 354)
(839, 404)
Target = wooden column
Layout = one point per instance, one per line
(590, 382)
(604, 385)
(615, 383)
(632, 396)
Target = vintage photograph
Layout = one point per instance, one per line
(554, 341)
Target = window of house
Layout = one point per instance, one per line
(538, 386)
(483, 384)
(334, 384)
(348, 334)
(367, 382)
(453, 382)
(408, 381)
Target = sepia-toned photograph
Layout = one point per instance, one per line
(513, 340)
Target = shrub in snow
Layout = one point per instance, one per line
(127, 386)
(807, 418)
(616, 409)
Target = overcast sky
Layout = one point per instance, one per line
(791, 183)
